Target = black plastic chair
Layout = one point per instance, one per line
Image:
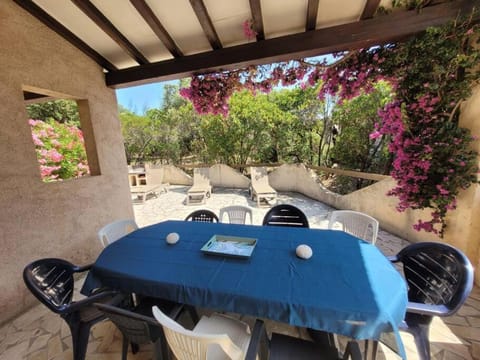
(439, 278)
(202, 216)
(140, 327)
(284, 347)
(51, 281)
(285, 215)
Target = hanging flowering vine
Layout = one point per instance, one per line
(431, 74)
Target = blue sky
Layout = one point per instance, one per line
(140, 98)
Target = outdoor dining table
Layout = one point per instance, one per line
(347, 287)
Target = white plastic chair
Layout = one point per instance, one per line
(237, 214)
(355, 223)
(115, 230)
(214, 337)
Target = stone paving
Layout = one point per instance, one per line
(39, 334)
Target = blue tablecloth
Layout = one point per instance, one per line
(347, 287)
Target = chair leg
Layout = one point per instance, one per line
(135, 347)
(161, 349)
(125, 347)
(420, 335)
(80, 333)
(374, 350)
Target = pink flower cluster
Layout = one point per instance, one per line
(60, 150)
(248, 30)
(418, 167)
(351, 78)
(209, 94)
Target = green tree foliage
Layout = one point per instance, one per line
(138, 134)
(354, 149)
(287, 125)
(308, 124)
(62, 111)
(244, 135)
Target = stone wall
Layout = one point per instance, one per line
(59, 219)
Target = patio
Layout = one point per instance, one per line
(40, 334)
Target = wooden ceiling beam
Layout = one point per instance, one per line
(256, 10)
(61, 30)
(379, 30)
(202, 14)
(369, 9)
(312, 11)
(151, 19)
(103, 23)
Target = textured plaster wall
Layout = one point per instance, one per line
(464, 224)
(56, 219)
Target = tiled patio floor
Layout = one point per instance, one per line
(41, 335)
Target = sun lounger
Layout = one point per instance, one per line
(142, 191)
(155, 175)
(260, 189)
(201, 188)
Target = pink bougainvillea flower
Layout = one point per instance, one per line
(248, 30)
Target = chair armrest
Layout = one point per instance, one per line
(258, 342)
(115, 295)
(82, 268)
(427, 309)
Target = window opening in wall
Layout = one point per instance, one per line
(58, 136)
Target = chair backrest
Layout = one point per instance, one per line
(202, 216)
(285, 215)
(137, 328)
(115, 230)
(237, 214)
(189, 345)
(51, 282)
(437, 274)
(259, 175)
(355, 223)
(201, 176)
(154, 174)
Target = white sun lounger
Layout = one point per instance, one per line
(260, 189)
(201, 188)
(154, 175)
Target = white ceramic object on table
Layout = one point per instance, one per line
(304, 251)
(172, 238)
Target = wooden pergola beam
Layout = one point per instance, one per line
(151, 19)
(202, 14)
(256, 10)
(54, 25)
(369, 9)
(380, 30)
(312, 10)
(103, 23)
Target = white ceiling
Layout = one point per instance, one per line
(280, 17)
